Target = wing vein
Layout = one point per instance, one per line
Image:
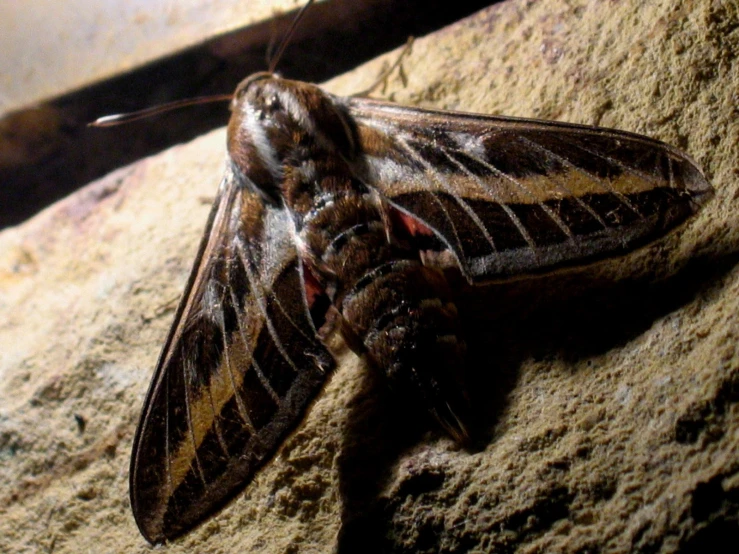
(167, 445)
(261, 301)
(505, 207)
(231, 378)
(561, 184)
(190, 425)
(260, 374)
(603, 183)
(525, 189)
(671, 173)
(416, 156)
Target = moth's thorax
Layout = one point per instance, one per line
(277, 123)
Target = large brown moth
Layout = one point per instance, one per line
(360, 206)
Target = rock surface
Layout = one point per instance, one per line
(608, 398)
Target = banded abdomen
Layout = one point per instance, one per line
(396, 311)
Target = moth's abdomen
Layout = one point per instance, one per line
(402, 313)
(395, 310)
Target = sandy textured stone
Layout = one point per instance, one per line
(607, 398)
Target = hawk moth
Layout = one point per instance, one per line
(358, 207)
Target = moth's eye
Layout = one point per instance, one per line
(272, 103)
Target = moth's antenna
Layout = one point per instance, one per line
(121, 118)
(269, 54)
(288, 36)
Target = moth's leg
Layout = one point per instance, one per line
(402, 314)
(382, 79)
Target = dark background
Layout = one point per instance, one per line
(62, 153)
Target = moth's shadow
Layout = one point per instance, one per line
(569, 316)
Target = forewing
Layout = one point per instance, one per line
(239, 368)
(511, 196)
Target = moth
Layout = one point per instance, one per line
(360, 208)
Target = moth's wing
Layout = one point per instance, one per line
(511, 196)
(240, 366)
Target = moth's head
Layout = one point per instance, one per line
(276, 121)
(289, 114)
(250, 82)
(252, 144)
(265, 104)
